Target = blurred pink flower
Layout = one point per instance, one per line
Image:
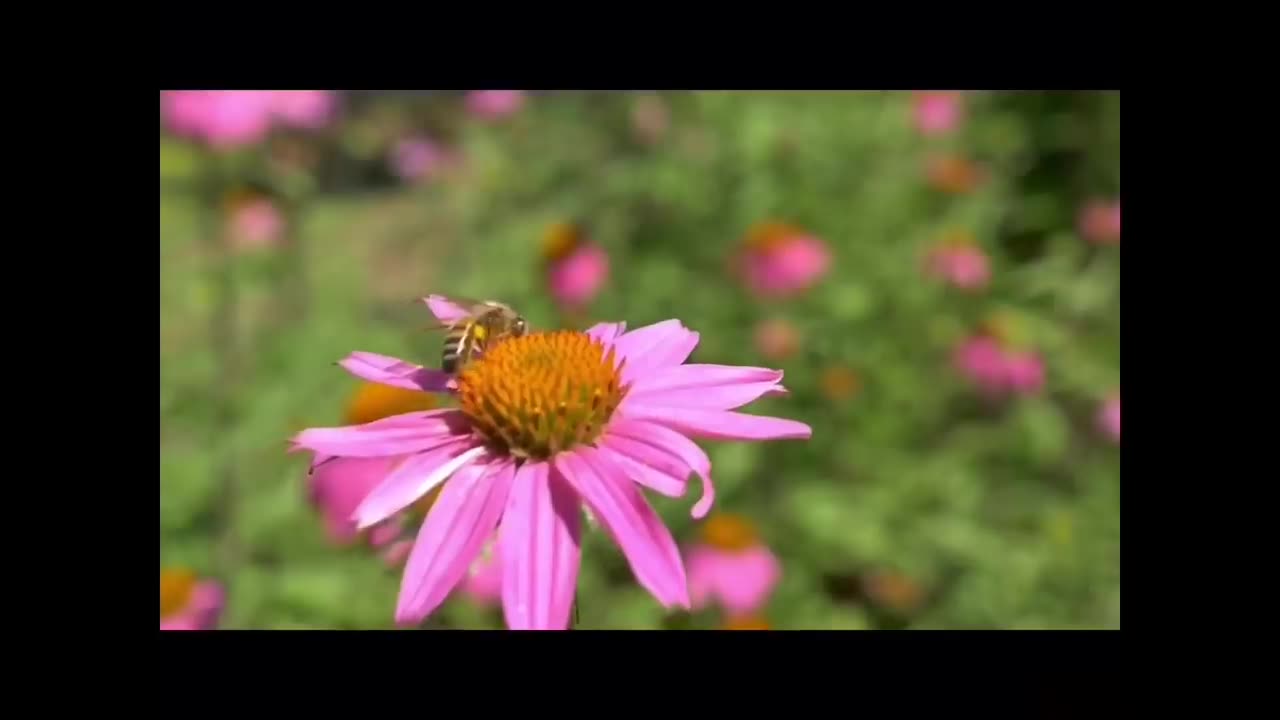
(1109, 417)
(310, 109)
(779, 260)
(187, 603)
(1024, 371)
(632, 409)
(731, 567)
(959, 261)
(227, 119)
(337, 485)
(416, 158)
(256, 223)
(576, 268)
(777, 339)
(981, 359)
(937, 112)
(997, 370)
(222, 118)
(483, 583)
(494, 104)
(1100, 222)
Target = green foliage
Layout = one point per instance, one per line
(1004, 514)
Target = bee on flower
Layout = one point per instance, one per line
(549, 423)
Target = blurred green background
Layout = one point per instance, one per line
(919, 502)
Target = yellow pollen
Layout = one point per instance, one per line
(374, 401)
(536, 395)
(559, 240)
(771, 235)
(729, 532)
(176, 587)
(747, 622)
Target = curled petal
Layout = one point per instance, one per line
(387, 370)
(666, 439)
(414, 478)
(619, 465)
(634, 526)
(455, 531)
(540, 546)
(722, 425)
(654, 468)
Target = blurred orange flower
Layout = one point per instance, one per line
(954, 174)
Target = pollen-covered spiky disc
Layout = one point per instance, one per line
(538, 394)
(728, 532)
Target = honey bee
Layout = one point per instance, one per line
(486, 323)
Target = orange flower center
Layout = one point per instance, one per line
(728, 532)
(176, 587)
(747, 622)
(771, 235)
(560, 240)
(536, 395)
(374, 401)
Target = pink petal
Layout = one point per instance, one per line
(397, 435)
(662, 344)
(664, 438)
(635, 527)
(659, 459)
(722, 397)
(607, 332)
(387, 370)
(746, 579)
(446, 310)
(460, 522)
(540, 546)
(414, 478)
(722, 425)
(619, 464)
(337, 485)
(683, 377)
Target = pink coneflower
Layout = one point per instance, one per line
(547, 422)
(187, 603)
(483, 582)
(223, 119)
(731, 567)
(576, 268)
(1099, 222)
(254, 222)
(1109, 417)
(997, 364)
(937, 112)
(777, 339)
(778, 259)
(226, 119)
(309, 109)
(416, 158)
(494, 104)
(958, 261)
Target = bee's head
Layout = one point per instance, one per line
(519, 326)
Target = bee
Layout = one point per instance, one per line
(486, 323)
